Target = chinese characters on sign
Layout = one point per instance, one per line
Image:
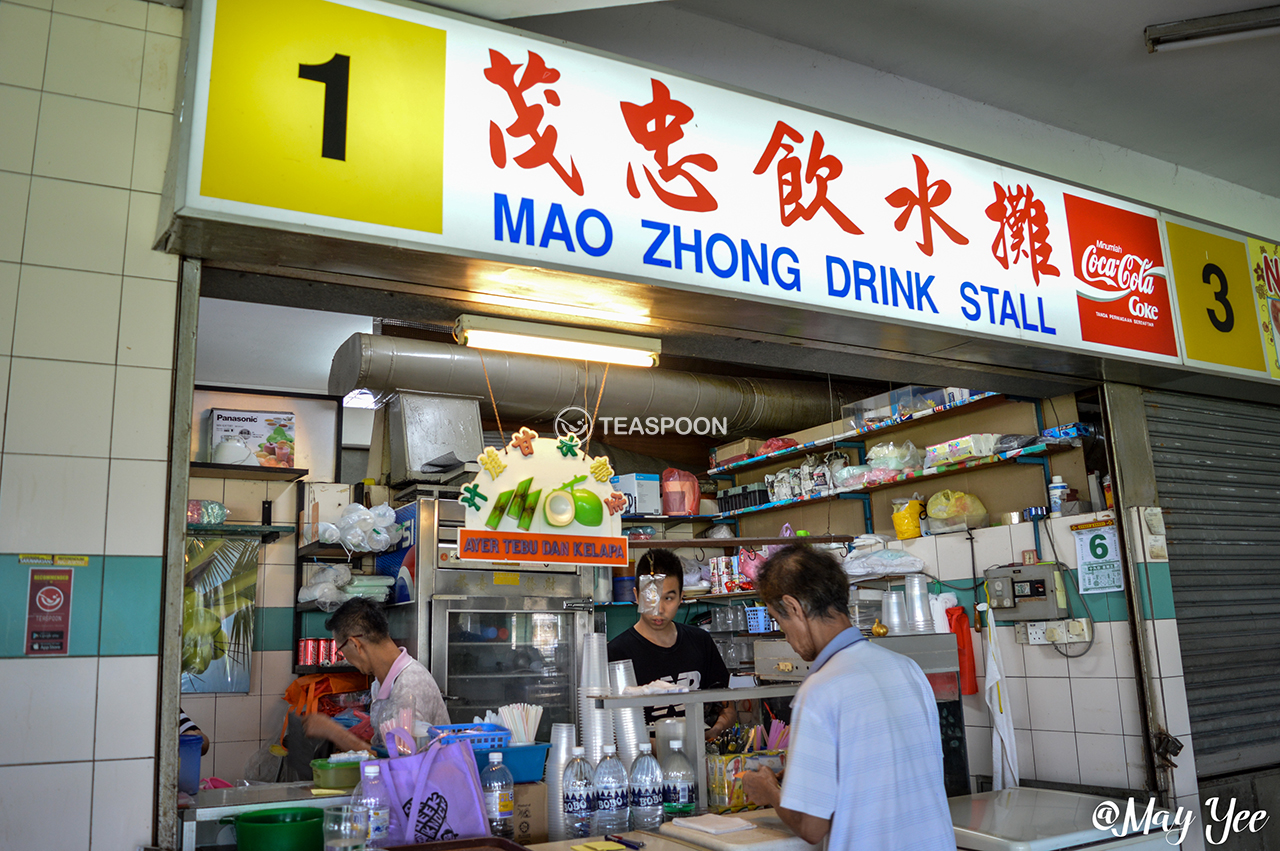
(793, 182)
(657, 126)
(528, 124)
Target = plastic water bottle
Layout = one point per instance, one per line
(377, 797)
(499, 797)
(646, 790)
(679, 784)
(579, 794)
(611, 795)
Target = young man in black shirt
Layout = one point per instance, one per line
(661, 649)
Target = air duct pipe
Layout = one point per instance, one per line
(535, 389)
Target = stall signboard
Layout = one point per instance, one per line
(49, 603)
(412, 128)
(1217, 305)
(1264, 276)
(1098, 557)
(540, 500)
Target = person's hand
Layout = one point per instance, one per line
(317, 725)
(761, 787)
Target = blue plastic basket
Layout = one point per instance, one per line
(479, 736)
(758, 619)
(527, 762)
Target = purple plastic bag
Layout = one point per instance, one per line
(435, 795)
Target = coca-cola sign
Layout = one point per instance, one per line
(1122, 283)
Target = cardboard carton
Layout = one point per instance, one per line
(531, 813)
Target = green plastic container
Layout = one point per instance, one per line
(334, 775)
(283, 829)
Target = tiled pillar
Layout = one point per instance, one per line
(87, 91)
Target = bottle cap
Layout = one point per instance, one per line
(1057, 480)
(495, 756)
(370, 769)
(579, 750)
(610, 749)
(677, 744)
(646, 748)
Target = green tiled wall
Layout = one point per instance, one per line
(1155, 590)
(86, 603)
(130, 606)
(273, 628)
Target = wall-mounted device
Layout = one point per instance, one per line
(1031, 592)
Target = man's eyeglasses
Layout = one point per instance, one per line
(338, 649)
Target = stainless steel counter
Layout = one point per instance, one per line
(211, 805)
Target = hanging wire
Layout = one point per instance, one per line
(599, 396)
(492, 400)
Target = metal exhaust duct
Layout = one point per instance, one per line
(535, 389)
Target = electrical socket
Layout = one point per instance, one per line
(1030, 632)
(1073, 631)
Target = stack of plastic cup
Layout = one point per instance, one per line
(919, 615)
(597, 724)
(563, 738)
(628, 724)
(895, 612)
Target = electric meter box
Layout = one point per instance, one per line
(1026, 592)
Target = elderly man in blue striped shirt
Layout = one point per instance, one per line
(864, 765)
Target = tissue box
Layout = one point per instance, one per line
(641, 490)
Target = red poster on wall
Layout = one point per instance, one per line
(1122, 283)
(49, 611)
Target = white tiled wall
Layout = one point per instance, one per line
(87, 312)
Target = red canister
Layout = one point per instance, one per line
(326, 651)
(308, 651)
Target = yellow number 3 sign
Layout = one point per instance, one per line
(1215, 298)
(321, 108)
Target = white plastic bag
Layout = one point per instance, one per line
(881, 563)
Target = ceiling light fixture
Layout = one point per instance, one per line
(1214, 29)
(511, 335)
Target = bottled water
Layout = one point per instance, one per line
(579, 794)
(375, 795)
(499, 797)
(679, 784)
(611, 794)
(646, 790)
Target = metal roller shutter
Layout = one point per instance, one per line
(1217, 468)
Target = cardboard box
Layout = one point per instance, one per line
(268, 435)
(641, 490)
(322, 502)
(744, 448)
(531, 813)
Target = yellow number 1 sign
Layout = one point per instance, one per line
(1215, 298)
(321, 108)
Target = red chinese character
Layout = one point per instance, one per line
(616, 503)
(523, 440)
(926, 197)
(818, 172)
(502, 72)
(1023, 221)
(656, 126)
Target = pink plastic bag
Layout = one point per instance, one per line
(435, 795)
(680, 492)
(749, 561)
(784, 532)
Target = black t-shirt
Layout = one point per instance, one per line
(692, 661)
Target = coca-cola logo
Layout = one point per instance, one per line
(1103, 263)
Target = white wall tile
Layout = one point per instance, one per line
(4, 392)
(139, 260)
(283, 550)
(33, 789)
(123, 797)
(1022, 536)
(151, 150)
(35, 4)
(20, 108)
(46, 328)
(1122, 647)
(136, 503)
(126, 727)
(1056, 757)
(1099, 660)
(255, 673)
(978, 743)
(126, 13)
(1049, 699)
(1135, 761)
(14, 189)
(85, 140)
(164, 19)
(992, 547)
(90, 59)
(277, 672)
(208, 762)
(36, 494)
(954, 560)
(925, 549)
(1026, 754)
(76, 226)
(161, 65)
(975, 709)
(58, 407)
(141, 418)
(202, 709)
(1184, 775)
(275, 585)
(1015, 688)
(1011, 655)
(1169, 647)
(1042, 660)
(205, 489)
(1130, 708)
(8, 304)
(232, 757)
(274, 709)
(1102, 760)
(1151, 654)
(979, 649)
(1177, 719)
(239, 717)
(148, 316)
(244, 500)
(56, 699)
(24, 35)
(1096, 703)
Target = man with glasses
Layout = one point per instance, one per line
(361, 634)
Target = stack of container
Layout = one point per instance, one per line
(628, 724)
(563, 738)
(597, 724)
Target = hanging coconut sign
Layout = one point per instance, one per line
(541, 500)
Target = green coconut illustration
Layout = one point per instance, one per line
(568, 503)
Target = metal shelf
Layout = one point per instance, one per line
(324, 669)
(268, 534)
(209, 470)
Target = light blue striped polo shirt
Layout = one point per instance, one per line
(866, 751)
